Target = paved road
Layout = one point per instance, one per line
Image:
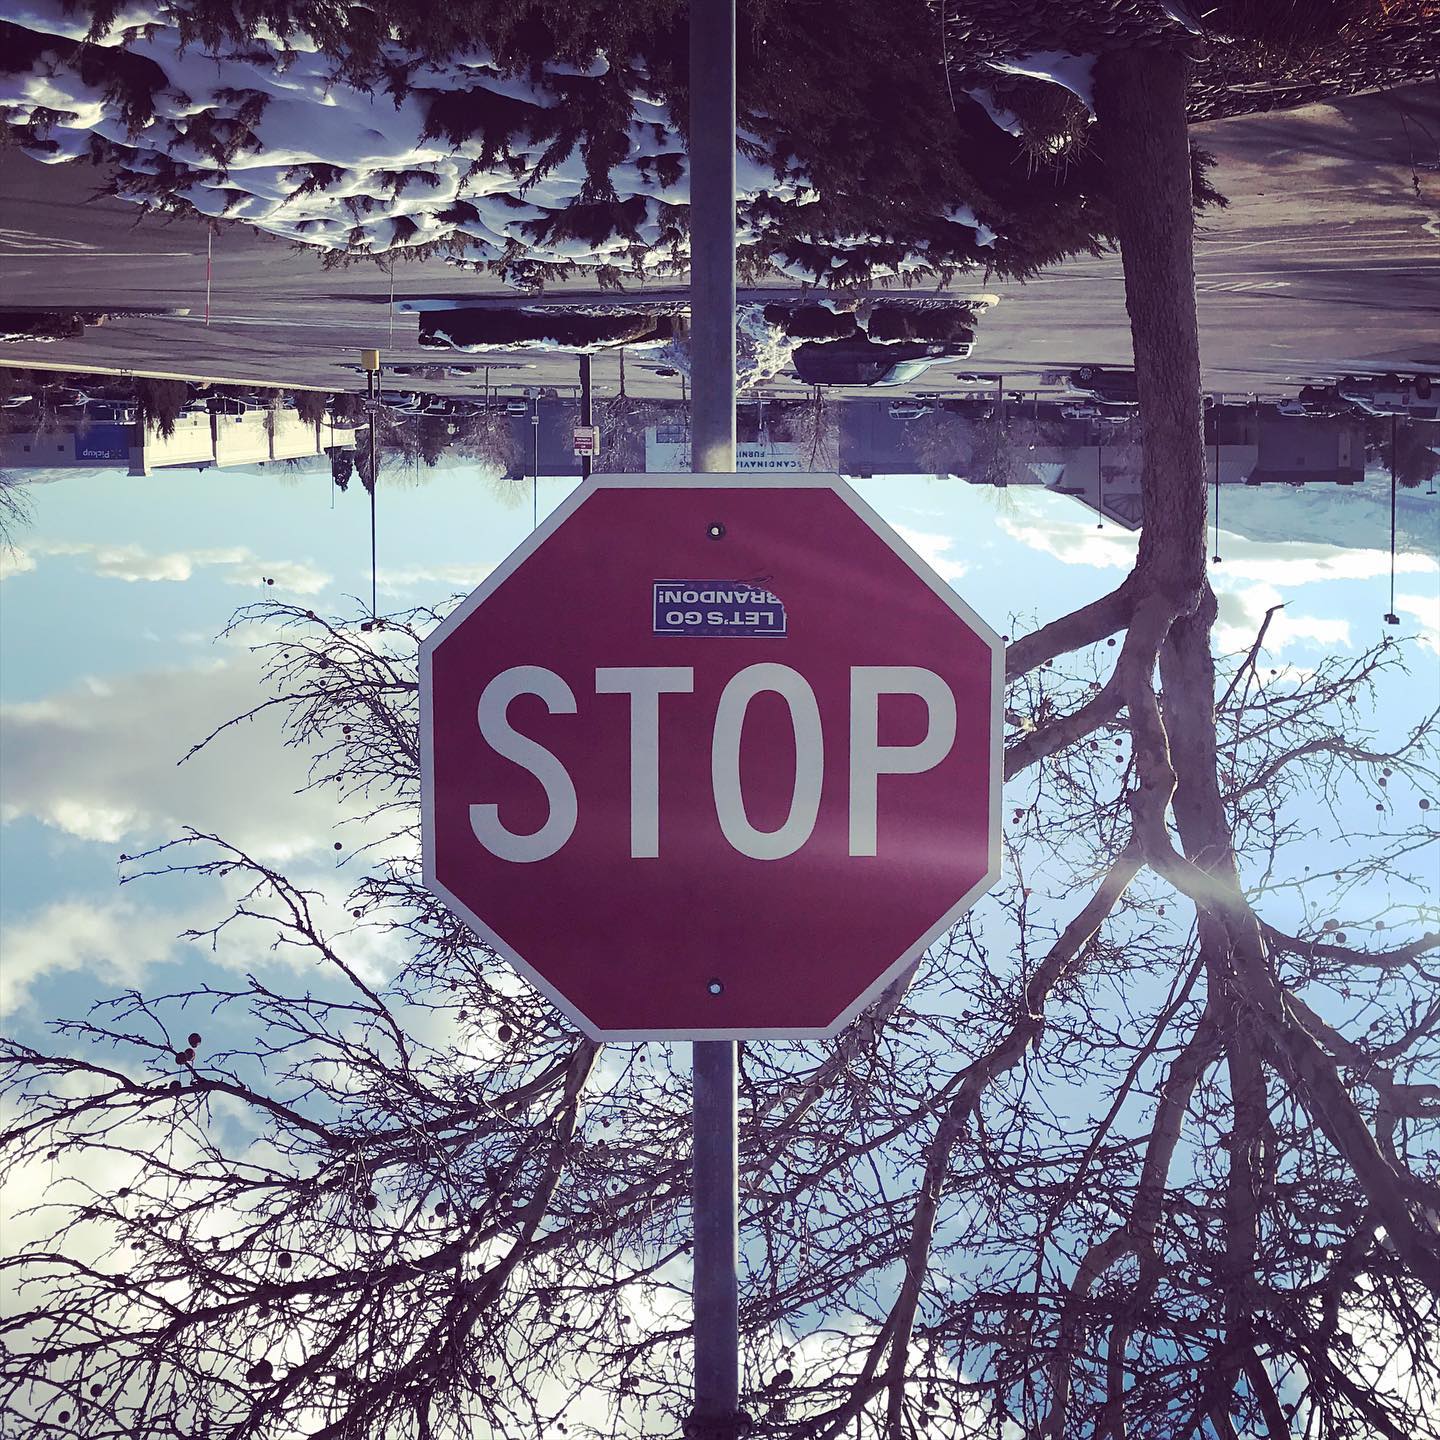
(1327, 259)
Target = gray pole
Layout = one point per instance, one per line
(712, 236)
(717, 1244)
(1391, 618)
(376, 392)
(1100, 480)
(585, 410)
(1215, 558)
(715, 1190)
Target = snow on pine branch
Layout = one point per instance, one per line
(528, 168)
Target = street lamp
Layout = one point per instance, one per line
(535, 466)
(1391, 618)
(1100, 477)
(1215, 558)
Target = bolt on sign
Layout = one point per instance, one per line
(711, 760)
(586, 440)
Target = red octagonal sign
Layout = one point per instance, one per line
(711, 760)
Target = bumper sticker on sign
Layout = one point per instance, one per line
(716, 607)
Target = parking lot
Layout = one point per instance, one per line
(1323, 265)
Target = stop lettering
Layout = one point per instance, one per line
(709, 760)
(868, 758)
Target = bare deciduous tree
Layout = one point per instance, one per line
(1152, 1153)
(623, 420)
(15, 508)
(813, 426)
(487, 437)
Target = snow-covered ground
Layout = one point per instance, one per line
(267, 134)
(652, 348)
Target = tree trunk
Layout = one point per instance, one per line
(1140, 105)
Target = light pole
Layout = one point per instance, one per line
(1391, 618)
(535, 461)
(373, 381)
(1100, 477)
(1215, 558)
(585, 409)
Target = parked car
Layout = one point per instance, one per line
(861, 361)
(1311, 409)
(235, 404)
(517, 407)
(1108, 414)
(1390, 395)
(1115, 385)
(909, 409)
(63, 397)
(452, 405)
(975, 407)
(110, 412)
(1323, 400)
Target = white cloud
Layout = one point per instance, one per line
(1252, 576)
(237, 565)
(1077, 542)
(132, 563)
(935, 550)
(1306, 562)
(1426, 610)
(1301, 561)
(1242, 612)
(459, 577)
(15, 561)
(99, 762)
(114, 943)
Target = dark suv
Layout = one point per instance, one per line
(1117, 386)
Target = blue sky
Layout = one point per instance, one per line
(114, 595)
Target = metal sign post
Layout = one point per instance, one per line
(714, 1183)
(712, 236)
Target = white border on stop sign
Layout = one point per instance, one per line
(745, 481)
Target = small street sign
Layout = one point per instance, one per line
(711, 756)
(587, 440)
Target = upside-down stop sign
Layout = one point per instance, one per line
(711, 760)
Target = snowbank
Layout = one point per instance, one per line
(459, 156)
